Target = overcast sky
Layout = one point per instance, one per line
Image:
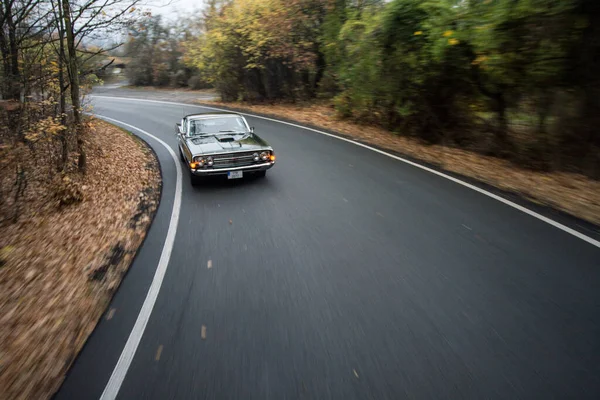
(170, 8)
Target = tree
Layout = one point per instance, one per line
(83, 19)
(261, 49)
(19, 21)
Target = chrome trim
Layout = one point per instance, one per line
(233, 153)
(217, 170)
(233, 158)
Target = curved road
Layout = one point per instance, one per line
(346, 274)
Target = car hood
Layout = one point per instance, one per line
(226, 143)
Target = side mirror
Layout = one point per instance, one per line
(178, 129)
(252, 129)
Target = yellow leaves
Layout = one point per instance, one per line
(5, 252)
(418, 33)
(451, 41)
(45, 128)
(260, 30)
(132, 9)
(479, 60)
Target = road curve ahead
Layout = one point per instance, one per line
(346, 274)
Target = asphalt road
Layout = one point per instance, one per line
(346, 274)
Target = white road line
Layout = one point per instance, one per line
(118, 375)
(547, 220)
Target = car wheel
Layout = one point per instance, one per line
(260, 174)
(195, 180)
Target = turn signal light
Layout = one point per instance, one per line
(194, 165)
(272, 157)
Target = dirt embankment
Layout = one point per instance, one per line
(60, 265)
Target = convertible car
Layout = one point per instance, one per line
(222, 143)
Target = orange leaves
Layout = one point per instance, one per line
(264, 29)
(479, 60)
(45, 129)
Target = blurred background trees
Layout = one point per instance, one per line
(511, 78)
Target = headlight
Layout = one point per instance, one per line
(209, 161)
(255, 156)
(200, 160)
(264, 155)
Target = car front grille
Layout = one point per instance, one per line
(239, 159)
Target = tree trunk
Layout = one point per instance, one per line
(14, 75)
(10, 61)
(320, 66)
(544, 106)
(74, 83)
(502, 145)
(62, 90)
(5, 62)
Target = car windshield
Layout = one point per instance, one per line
(217, 125)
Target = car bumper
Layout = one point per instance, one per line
(224, 171)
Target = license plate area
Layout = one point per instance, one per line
(235, 174)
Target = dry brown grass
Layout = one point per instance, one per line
(56, 276)
(572, 193)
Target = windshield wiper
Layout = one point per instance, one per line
(230, 131)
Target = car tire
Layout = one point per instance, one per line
(260, 174)
(195, 180)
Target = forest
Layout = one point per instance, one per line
(516, 79)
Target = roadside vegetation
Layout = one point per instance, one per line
(510, 79)
(75, 201)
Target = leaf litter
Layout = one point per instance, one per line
(62, 264)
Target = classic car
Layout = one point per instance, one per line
(222, 143)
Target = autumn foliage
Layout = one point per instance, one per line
(513, 79)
